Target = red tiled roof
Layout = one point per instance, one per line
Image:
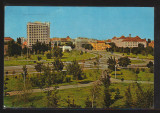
(99, 41)
(68, 37)
(114, 37)
(109, 40)
(134, 39)
(8, 38)
(122, 37)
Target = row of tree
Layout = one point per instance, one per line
(135, 50)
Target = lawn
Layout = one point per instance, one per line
(67, 56)
(137, 56)
(16, 62)
(13, 82)
(130, 75)
(78, 94)
(137, 61)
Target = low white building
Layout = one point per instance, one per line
(66, 48)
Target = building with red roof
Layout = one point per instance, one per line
(128, 41)
(7, 39)
(151, 44)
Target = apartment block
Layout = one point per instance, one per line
(38, 32)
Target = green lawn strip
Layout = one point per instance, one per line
(136, 56)
(66, 57)
(16, 62)
(137, 61)
(130, 75)
(78, 94)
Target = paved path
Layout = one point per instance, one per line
(113, 80)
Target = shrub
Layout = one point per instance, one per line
(48, 55)
(122, 79)
(143, 69)
(152, 69)
(68, 79)
(39, 58)
(112, 90)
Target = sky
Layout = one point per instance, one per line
(92, 22)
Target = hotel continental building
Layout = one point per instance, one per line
(38, 31)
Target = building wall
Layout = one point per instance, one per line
(38, 31)
(100, 46)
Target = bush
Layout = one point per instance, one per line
(112, 90)
(122, 79)
(48, 55)
(152, 69)
(143, 69)
(68, 79)
(39, 58)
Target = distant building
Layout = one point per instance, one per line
(61, 41)
(99, 45)
(151, 44)
(80, 41)
(38, 31)
(5, 49)
(64, 48)
(7, 39)
(128, 41)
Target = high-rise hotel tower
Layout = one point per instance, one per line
(38, 31)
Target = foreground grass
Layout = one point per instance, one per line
(137, 61)
(14, 80)
(78, 94)
(130, 75)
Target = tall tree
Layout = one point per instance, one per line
(14, 48)
(124, 61)
(57, 52)
(19, 41)
(57, 64)
(75, 69)
(111, 63)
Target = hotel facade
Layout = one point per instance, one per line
(38, 31)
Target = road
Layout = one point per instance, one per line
(113, 80)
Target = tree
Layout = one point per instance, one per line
(57, 52)
(117, 96)
(113, 47)
(24, 50)
(87, 46)
(39, 47)
(150, 64)
(70, 44)
(57, 64)
(39, 67)
(144, 99)
(88, 103)
(149, 41)
(128, 98)
(111, 63)
(75, 69)
(19, 41)
(39, 58)
(95, 92)
(48, 55)
(14, 48)
(106, 83)
(124, 61)
(53, 98)
(137, 71)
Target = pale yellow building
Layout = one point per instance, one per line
(38, 31)
(100, 45)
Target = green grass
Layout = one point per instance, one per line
(16, 62)
(137, 56)
(78, 94)
(130, 75)
(137, 61)
(66, 57)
